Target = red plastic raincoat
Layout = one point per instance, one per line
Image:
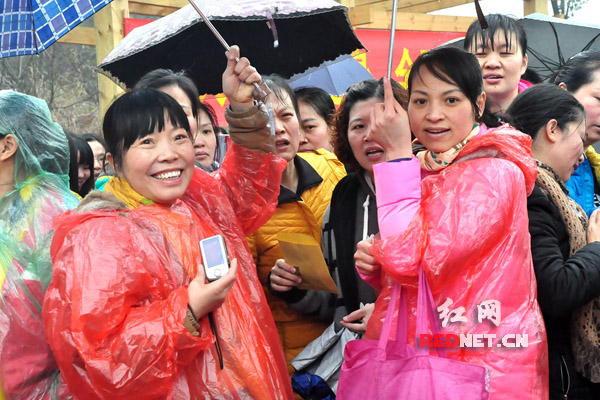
(470, 235)
(114, 311)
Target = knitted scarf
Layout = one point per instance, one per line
(585, 333)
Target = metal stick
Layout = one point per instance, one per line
(259, 92)
(392, 37)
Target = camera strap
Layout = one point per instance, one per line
(213, 327)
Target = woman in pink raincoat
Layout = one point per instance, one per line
(127, 314)
(458, 210)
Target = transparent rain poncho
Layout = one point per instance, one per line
(41, 191)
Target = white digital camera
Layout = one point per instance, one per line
(214, 257)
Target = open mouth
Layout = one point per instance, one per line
(282, 143)
(373, 152)
(170, 175)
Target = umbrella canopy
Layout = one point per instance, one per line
(551, 41)
(332, 76)
(31, 26)
(309, 32)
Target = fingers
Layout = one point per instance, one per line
(388, 95)
(354, 315)
(359, 327)
(283, 276)
(232, 55)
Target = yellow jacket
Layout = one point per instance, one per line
(300, 212)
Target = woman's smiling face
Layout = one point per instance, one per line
(160, 166)
(440, 114)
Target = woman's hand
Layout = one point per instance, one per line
(205, 297)
(238, 80)
(593, 230)
(365, 262)
(283, 276)
(390, 127)
(361, 316)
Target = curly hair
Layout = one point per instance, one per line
(359, 92)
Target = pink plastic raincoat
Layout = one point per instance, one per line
(467, 226)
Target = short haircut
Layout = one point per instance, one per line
(279, 87)
(159, 78)
(364, 90)
(453, 66)
(579, 70)
(92, 137)
(476, 36)
(533, 108)
(319, 100)
(137, 114)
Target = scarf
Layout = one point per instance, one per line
(123, 191)
(431, 161)
(585, 332)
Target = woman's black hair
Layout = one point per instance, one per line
(92, 137)
(477, 37)
(453, 66)
(319, 100)
(579, 70)
(279, 87)
(137, 114)
(80, 154)
(533, 108)
(364, 90)
(160, 78)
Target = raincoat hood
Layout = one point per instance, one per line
(43, 146)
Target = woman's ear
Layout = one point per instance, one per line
(481, 104)
(8, 147)
(111, 161)
(524, 65)
(563, 85)
(551, 131)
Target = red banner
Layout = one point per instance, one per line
(408, 45)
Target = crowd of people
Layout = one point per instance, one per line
(485, 181)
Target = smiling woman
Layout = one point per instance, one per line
(129, 291)
(460, 215)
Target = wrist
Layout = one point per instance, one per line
(239, 107)
(400, 154)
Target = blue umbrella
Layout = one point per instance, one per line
(30, 26)
(332, 76)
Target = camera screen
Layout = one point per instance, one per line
(213, 253)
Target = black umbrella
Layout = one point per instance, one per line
(551, 41)
(309, 32)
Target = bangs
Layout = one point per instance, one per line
(138, 114)
(514, 34)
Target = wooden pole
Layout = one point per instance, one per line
(535, 6)
(109, 26)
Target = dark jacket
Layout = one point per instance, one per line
(564, 284)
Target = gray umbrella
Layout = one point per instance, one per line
(308, 32)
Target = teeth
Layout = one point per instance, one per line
(169, 175)
(371, 152)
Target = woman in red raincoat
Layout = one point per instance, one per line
(460, 213)
(127, 311)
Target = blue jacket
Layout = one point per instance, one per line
(581, 184)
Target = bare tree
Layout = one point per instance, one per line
(567, 7)
(64, 76)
